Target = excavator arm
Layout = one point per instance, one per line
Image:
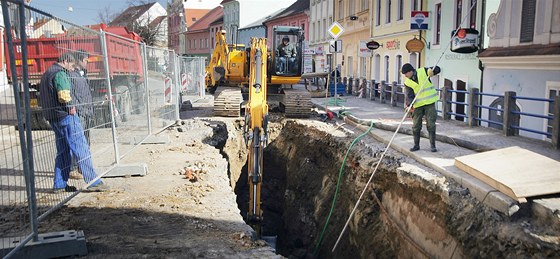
(216, 68)
(256, 120)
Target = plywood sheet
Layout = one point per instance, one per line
(516, 172)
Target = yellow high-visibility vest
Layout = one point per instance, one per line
(428, 95)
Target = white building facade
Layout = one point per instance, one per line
(524, 57)
(320, 19)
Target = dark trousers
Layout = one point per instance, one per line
(431, 115)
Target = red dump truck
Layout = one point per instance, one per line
(126, 72)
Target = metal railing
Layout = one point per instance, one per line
(533, 115)
(126, 93)
(488, 108)
(474, 112)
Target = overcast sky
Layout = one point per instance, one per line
(84, 12)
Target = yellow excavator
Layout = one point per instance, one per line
(260, 73)
(227, 74)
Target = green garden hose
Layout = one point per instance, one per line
(337, 185)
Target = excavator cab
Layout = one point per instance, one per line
(287, 47)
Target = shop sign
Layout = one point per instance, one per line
(393, 44)
(465, 41)
(419, 20)
(320, 51)
(363, 50)
(373, 45)
(414, 45)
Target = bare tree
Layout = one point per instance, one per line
(138, 2)
(151, 30)
(106, 15)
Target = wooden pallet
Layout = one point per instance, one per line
(227, 102)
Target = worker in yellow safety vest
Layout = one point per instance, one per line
(425, 104)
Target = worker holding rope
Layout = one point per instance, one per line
(425, 102)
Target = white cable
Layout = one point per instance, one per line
(395, 134)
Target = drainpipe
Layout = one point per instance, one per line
(481, 43)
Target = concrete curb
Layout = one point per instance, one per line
(442, 138)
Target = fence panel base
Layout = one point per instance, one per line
(52, 245)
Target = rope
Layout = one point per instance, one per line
(336, 189)
(394, 135)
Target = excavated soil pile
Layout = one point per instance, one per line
(420, 213)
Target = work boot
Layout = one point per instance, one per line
(68, 188)
(433, 141)
(416, 146)
(101, 187)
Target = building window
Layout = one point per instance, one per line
(553, 91)
(400, 8)
(398, 66)
(473, 11)
(413, 59)
(387, 69)
(414, 5)
(378, 13)
(388, 12)
(319, 33)
(377, 69)
(364, 5)
(437, 30)
(350, 67)
(313, 35)
(363, 67)
(324, 32)
(350, 7)
(458, 13)
(528, 21)
(340, 9)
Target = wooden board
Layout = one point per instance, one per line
(514, 171)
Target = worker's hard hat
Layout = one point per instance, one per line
(286, 38)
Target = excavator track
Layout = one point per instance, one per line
(296, 103)
(227, 102)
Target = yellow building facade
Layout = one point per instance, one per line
(390, 22)
(353, 16)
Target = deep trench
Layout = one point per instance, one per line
(419, 217)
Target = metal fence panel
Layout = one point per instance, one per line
(126, 67)
(14, 211)
(50, 40)
(123, 92)
(162, 87)
(192, 72)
